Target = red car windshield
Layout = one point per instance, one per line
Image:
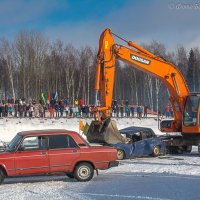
(14, 143)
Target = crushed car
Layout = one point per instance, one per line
(140, 142)
(54, 151)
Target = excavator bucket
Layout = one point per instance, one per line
(104, 132)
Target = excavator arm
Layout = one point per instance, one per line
(138, 57)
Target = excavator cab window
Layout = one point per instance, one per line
(190, 111)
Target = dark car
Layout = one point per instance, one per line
(142, 142)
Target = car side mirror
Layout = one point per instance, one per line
(21, 148)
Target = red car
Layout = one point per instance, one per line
(54, 151)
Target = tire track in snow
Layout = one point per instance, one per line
(156, 175)
(122, 196)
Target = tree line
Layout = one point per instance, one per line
(31, 65)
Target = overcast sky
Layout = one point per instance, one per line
(80, 22)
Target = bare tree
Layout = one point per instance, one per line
(6, 54)
(182, 60)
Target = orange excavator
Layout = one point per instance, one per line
(185, 105)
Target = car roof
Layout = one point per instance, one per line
(134, 129)
(46, 132)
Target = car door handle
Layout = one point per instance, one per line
(43, 153)
(74, 151)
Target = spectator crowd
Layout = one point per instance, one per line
(61, 108)
(53, 109)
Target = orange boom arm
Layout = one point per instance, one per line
(143, 60)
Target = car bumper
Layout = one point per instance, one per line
(113, 164)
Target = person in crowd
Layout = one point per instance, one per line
(66, 101)
(71, 111)
(114, 105)
(31, 109)
(67, 111)
(61, 111)
(57, 109)
(92, 111)
(127, 111)
(20, 109)
(126, 102)
(10, 108)
(6, 110)
(76, 102)
(36, 110)
(52, 103)
(117, 110)
(138, 111)
(25, 109)
(1, 111)
(167, 111)
(122, 111)
(20, 101)
(145, 110)
(80, 102)
(41, 110)
(12, 101)
(171, 112)
(76, 111)
(61, 104)
(44, 110)
(132, 111)
(52, 111)
(15, 110)
(83, 111)
(87, 111)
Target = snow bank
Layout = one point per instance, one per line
(10, 126)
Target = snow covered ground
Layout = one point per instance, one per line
(10, 126)
(164, 178)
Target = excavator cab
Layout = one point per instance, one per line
(191, 114)
(190, 111)
(190, 119)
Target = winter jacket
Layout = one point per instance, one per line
(76, 102)
(56, 107)
(10, 109)
(80, 102)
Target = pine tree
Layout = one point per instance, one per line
(191, 71)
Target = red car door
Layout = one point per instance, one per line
(63, 151)
(32, 156)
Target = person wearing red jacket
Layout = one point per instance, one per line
(80, 102)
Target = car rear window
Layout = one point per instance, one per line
(61, 141)
(147, 134)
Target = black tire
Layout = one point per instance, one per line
(70, 175)
(187, 149)
(156, 151)
(83, 172)
(173, 150)
(120, 154)
(2, 176)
